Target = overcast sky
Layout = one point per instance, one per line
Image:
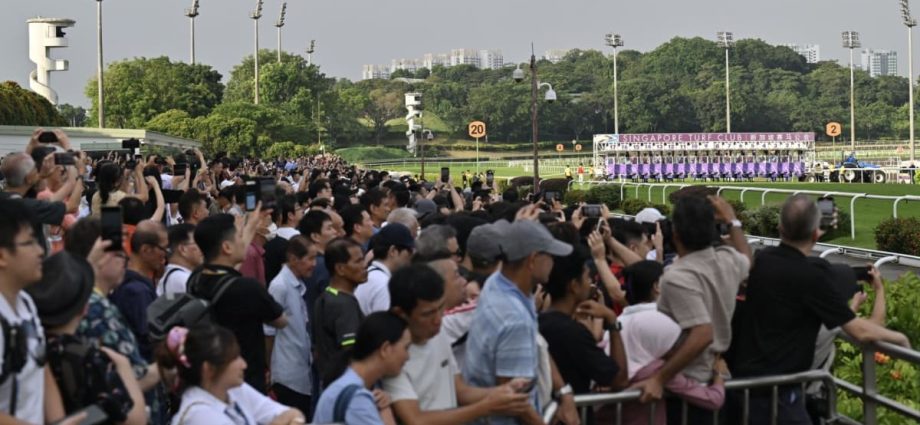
(350, 33)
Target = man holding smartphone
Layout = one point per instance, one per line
(788, 297)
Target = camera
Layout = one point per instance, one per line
(591, 211)
(828, 213)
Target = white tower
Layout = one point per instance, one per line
(44, 35)
(414, 106)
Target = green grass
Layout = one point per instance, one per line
(869, 212)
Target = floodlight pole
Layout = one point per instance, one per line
(255, 15)
(726, 42)
(99, 64)
(851, 41)
(192, 13)
(310, 51)
(614, 40)
(279, 24)
(910, 22)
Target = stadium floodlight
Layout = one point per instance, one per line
(615, 41)
(851, 41)
(726, 41)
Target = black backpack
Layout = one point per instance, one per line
(184, 309)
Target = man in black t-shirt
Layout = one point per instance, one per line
(788, 298)
(337, 314)
(245, 305)
(571, 344)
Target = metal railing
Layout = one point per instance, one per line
(764, 191)
(867, 391)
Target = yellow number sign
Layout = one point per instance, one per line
(560, 147)
(477, 129)
(834, 129)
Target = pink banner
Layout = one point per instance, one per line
(713, 137)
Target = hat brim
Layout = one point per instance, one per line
(558, 248)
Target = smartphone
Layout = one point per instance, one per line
(445, 174)
(47, 137)
(179, 169)
(862, 273)
(827, 207)
(250, 194)
(549, 197)
(267, 193)
(111, 227)
(490, 177)
(130, 144)
(591, 211)
(64, 158)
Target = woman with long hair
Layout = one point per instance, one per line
(381, 349)
(114, 183)
(208, 371)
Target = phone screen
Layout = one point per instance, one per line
(111, 227)
(267, 193)
(445, 174)
(47, 137)
(490, 177)
(591, 211)
(862, 273)
(550, 197)
(64, 158)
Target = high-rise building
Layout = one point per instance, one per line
(371, 72)
(432, 59)
(811, 52)
(555, 55)
(464, 57)
(491, 59)
(410, 65)
(880, 62)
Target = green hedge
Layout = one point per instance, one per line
(899, 235)
(604, 194)
(764, 221)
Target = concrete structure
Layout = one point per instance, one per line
(371, 72)
(432, 59)
(414, 112)
(879, 62)
(491, 59)
(811, 52)
(464, 57)
(14, 139)
(46, 34)
(555, 55)
(410, 65)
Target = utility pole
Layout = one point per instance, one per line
(256, 15)
(614, 40)
(910, 22)
(726, 42)
(279, 24)
(192, 13)
(851, 41)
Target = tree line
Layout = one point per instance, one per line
(677, 87)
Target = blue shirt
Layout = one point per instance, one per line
(361, 411)
(291, 358)
(132, 298)
(502, 340)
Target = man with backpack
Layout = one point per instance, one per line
(239, 304)
(184, 256)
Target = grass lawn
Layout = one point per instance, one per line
(869, 212)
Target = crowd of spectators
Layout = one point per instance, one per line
(329, 293)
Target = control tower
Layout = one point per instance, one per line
(44, 35)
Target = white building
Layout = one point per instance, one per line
(491, 59)
(432, 59)
(811, 52)
(555, 55)
(880, 62)
(371, 72)
(465, 57)
(410, 65)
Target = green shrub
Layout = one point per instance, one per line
(574, 197)
(664, 209)
(604, 194)
(843, 227)
(896, 379)
(899, 235)
(739, 206)
(762, 221)
(632, 206)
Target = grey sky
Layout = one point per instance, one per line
(350, 33)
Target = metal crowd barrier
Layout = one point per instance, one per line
(867, 391)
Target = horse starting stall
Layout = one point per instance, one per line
(703, 156)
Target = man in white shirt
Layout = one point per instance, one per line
(20, 266)
(393, 247)
(184, 256)
(429, 390)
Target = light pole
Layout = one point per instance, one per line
(851, 41)
(280, 23)
(99, 84)
(614, 40)
(518, 76)
(910, 22)
(256, 15)
(192, 13)
(310, 51)
(726, 42)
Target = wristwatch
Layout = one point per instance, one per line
(736, 223)
(567, 389)
(613, 327)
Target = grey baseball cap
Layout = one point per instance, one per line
(484, 241)
(525, 237)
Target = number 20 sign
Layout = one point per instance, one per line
(477, 129)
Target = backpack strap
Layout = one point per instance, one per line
(222, 285)
(343, 401)
(166, 278)
(185, 412)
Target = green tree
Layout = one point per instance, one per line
(138, 89)
(74, 115)
(25, 107)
